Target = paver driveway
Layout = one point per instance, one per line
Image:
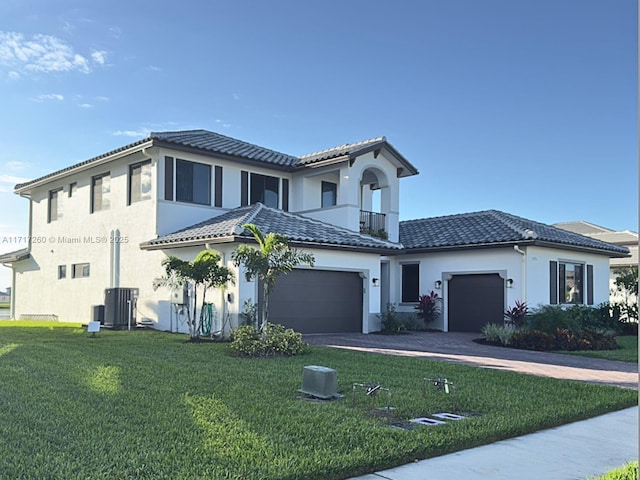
(460, 348)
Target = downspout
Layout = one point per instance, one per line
(223, 302)
(524, 272)
(12, 309)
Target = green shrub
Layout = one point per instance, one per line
(277, 341)
(563, 339)
(412, 323)
(548, 318)
(496, 333)
(516, 315)
(391, 321)
(533, 340)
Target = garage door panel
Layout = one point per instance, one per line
(475, 300)
(318, 301)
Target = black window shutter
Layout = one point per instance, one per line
(168, 178)
(244, 188)
(285, 194)
(217, 202)
(589, 284)
(553, 282)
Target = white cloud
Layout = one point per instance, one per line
(99, 57)
(15, 166)
(8, 182)
(131, 133)
(85, 105)
(13, 75)
(223, 123)
(116, 32)
(153, 68)
(48, 96)
(102, 99)
(43, 54)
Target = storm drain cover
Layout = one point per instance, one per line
(448, 416)
(430, 422)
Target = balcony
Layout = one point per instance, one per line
(372, 223)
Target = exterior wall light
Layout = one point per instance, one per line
(438, 284)
(375, 281)
(509, 282)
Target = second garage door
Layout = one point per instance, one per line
(475, 300)
(318, 301)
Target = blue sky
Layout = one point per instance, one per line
(529, 107)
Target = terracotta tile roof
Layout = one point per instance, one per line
(296, 228)
(492, 228)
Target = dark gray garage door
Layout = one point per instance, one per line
(475, 300)
(318, 301)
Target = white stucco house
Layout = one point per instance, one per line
(100, 229)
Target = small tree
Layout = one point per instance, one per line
(272, 258)
(204, 272)
(627, 287)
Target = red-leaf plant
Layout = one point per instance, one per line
(428, 307)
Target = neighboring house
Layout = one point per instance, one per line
(624, 238)
(108, 223)
(5, 297)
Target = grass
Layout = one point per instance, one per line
(5, 305)
(628, 472)
(147, 405)
(628, 351)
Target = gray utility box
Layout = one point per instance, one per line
(320, 382)
(119, 303)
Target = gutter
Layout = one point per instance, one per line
(242, 239)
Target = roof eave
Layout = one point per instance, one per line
(150, 245)
(16, 256)
(224, 156)
(520, 243)
(27, 187)
(406, 166)
(244, 239)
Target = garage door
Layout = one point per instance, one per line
(475, 300)
(318, 301)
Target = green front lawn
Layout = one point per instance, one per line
(628, 351)
(628, 472)
(146, 404)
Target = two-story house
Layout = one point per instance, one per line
(108, 222)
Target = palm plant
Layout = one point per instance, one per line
(273, 257)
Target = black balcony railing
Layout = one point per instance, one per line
(372, 223)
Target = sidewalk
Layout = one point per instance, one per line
(577, 451)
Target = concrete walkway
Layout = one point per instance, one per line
(577, 451)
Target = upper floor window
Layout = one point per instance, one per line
(264, 189)
(73, 188)
(329, 194)
(410, 282)
(100, 190)
(55, 206)
(193, 182)
(62, 271)
(140, 182)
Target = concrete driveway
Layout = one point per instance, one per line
(459, 348)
